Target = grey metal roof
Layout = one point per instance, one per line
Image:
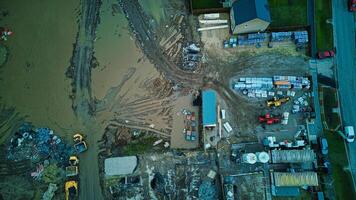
(293, 156)
(120, 165)
(246, 10)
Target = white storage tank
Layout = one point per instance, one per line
(262, 157)
(249, 158)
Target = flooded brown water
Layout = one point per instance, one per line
(155, 8)
(116, 52)
(33, 80)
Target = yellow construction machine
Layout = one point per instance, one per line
(275, 102)
(71, 185)
(79, 144)
(71, 189)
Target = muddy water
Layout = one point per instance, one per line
(33, 80)
(155, 8)
(116, 52)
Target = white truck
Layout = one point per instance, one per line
(350, 133)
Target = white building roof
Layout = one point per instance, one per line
(120, 165)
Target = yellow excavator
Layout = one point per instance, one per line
(71, 188)
(79, 144)
(275, 102)
(71, 185)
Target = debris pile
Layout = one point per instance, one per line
(191, 57)
(301, 105)
(232, 42)
(264, 87)
(5, 33)
(190, 130)
(207, 191)
(49, 194)
(301, 37)
(281, 36)
(38, 144)
(252, 39)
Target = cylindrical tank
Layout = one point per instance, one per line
(250, 158)
(262, 157)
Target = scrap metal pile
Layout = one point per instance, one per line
(252, 39)
(38, 145)
(300, 37)
(191, 57)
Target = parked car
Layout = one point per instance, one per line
(352, 5)
(350, 133)
(326, 54)
(324, 147)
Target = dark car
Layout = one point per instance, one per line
(326, 166)
(326, 54)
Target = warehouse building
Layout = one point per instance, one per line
(287, 179)
(249, 16)
(209, 109)
(293, 156)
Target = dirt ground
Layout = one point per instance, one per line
(178, 140)
(116, 64)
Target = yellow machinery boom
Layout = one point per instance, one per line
(277, 102)
(71, 190)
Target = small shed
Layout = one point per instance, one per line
(209, 108)
(248, 16)
(120, 165)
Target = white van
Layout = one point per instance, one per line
(350, 133)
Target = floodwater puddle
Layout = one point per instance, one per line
(33, 79)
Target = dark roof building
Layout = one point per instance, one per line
(249, 16)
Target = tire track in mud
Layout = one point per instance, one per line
(82, 102)
(146, 39)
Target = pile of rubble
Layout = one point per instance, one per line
(300, 37)
(38, 145)
(191, 57)
(301, 105)
(252, 39)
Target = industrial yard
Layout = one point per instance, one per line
(162, 100)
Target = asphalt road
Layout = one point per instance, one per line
(344, 37)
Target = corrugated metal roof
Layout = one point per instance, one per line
(120, 165)
(295, 179)
(246, 10)
(209, 108)
(293, 156)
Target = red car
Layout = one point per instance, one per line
(269, 119)
(352, 5)
(326, 54)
